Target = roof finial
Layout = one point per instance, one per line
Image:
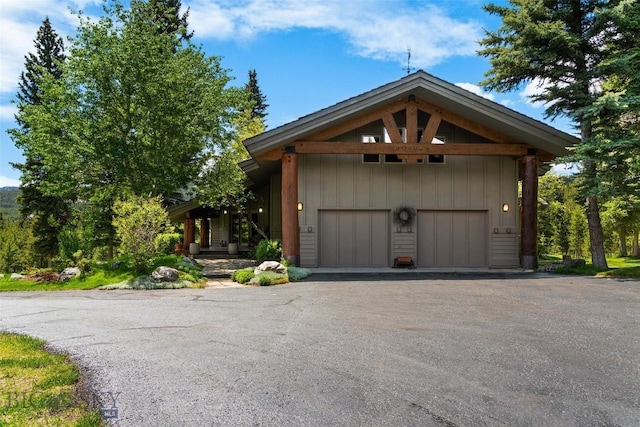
(409, 60)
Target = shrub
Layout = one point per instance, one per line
(166, 242)
(269, 278)
(297, 273)
(269, 250)
(243, 276)
(264, 281)
(137, 223)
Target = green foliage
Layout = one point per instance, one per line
(9, 206)
(243, 276)
(268, 278)
(268, 250)
(297, 273)
(16, 246)
(563, 46)
(222, 183)
(258, 99)
(140, 110)
(165, 242)
(50, 213)
(138, 222)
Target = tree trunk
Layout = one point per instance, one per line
(596, 236)
(635, 251)
(622, 234)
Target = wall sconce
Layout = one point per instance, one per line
(505, 207)
(225, 212)
(259, 210)
(300, 206)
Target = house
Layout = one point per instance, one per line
(416, 168)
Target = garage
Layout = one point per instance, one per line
(452, 238)
(353, 238)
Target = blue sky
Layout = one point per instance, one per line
(308, 54)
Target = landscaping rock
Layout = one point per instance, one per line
(165, 274)
(69, 273)
(569, 263)
(270, 266)
(116, 264)
(16, 276)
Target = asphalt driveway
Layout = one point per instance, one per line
(372, 350)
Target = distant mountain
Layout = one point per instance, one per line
(9, 202)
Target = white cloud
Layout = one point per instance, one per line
(8, 182)
(7, 112)
(565, 169)
(19, 23)
(476, 89)
(376, 29)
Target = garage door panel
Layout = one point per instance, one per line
(345, 238)
(452, 238)
(328, 250)
(353, 238)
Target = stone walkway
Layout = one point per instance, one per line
(218, 271)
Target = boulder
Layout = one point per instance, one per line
(69, 273)
(16, 276)
(270, 266)
(165, 274)
(568, 263)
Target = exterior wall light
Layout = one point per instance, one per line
(259, 210)
(300, 206)
(505, 207)
(225, 212)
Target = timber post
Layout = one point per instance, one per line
(529, 243)
(189, 232)
(290, 227)
(204, 233)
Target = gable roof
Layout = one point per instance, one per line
(516, 126)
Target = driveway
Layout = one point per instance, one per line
(374, 350)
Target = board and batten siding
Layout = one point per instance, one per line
(462, 183)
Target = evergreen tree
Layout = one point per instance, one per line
(562, 45)
(166, 15)
(50, 213)
(256, 97)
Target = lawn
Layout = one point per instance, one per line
(101, 275)
(618, 267)
(40, 387)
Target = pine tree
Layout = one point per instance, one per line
(166, 14)
(50, 213)
(561, 45)
(256, 97)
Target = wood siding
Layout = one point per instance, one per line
(462, 183)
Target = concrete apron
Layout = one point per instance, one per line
(389, 270)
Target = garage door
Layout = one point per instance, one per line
(353, 238)
(452, 239)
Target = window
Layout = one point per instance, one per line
(436, 158)
(370, 158)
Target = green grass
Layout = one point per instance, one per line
(618, 267)
(40, 387)
(102, 275)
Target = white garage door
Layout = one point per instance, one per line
(452, 239)
(353, 238)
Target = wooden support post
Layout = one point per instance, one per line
(204, 233)
(189, 232)
(290, 227)
(529, 242)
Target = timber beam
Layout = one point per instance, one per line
(465, 149)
